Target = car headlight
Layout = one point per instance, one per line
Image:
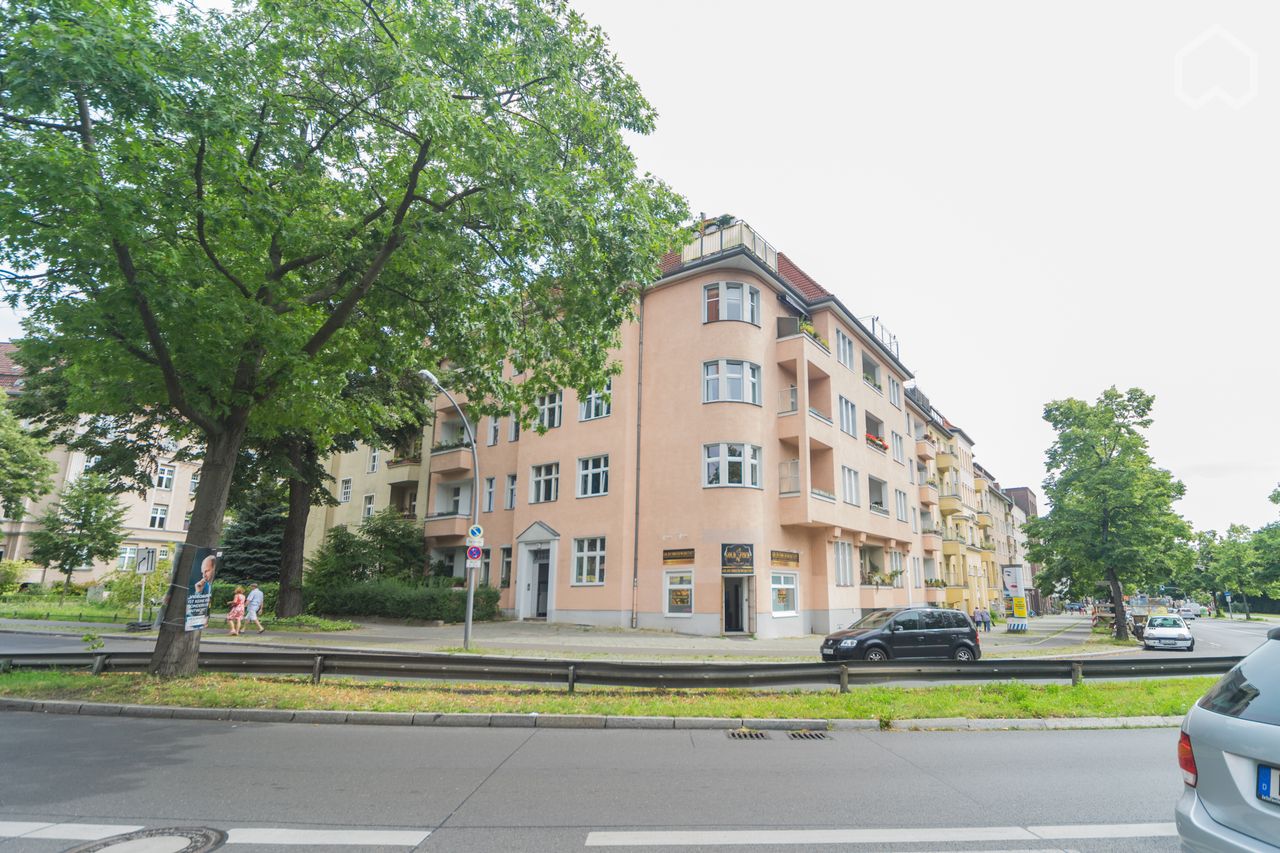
(849, 643)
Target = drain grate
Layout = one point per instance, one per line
(747, 734)
(805, 734)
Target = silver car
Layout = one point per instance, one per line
(1229, 752)
(1168, 632)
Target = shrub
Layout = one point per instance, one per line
(385, 546)
(11, 574)
(398, 600)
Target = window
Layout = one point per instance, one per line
(597, 404)
(730, 300)
(593, 476)
(900, 503)
(899, 449)
(875, 433)
(782, 586)
(878, 494)
(679, 586)
(588, 561)
(373, 460)
(367, 510)
(844, 563)
(549, 409)
(488, 494)
(164, 477)
(484, 566)
(159, 513)
(449, 501)
(909, 621)
(895, 568)
(128, 557)
(849, 486)
(789, 477)
(915, 524)
(511, 492)
(545, 486)
(871, 372)
(844, 349)
(513, 434)
(917, 574)
(731, 380)
(848, 417)
(344, 490)
(495, 429)
(895, 392)
(731, 465)
(504, 577)
(195, 484)
(186, 522)
(162, 554)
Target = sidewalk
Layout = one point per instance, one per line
(539, 639)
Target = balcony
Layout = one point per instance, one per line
(407, 470)
(793, 327)
(730, 237)
(928, 494)
(950, 504)
(984, 518)
(980, 483)
(926, 449)
(872, 598)
(935, 594)
(877, 442)
(447, 526)
(988, 545)
(946, 460)
(952, 547)
(451, 460)
(931, 541)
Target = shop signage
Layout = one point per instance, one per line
(737, 559)
(677, 557)
(790, 559)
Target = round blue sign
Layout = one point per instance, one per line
(473, 553)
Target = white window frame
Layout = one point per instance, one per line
(717, 383)
(748, 302)
(544, 479)
(488, 494)
(586, 550)
(850, 486)
(844, 349)
(513, 432)
(344, 490)
(186, 522)
(898, 447)
(550, 409)
(495, 429)
(784, 580)
(510, 500)
(504, 569)
(373, 460)
(597, 404)
(127, 557)
(160, 512)
(366, 508)
(593, 471)
(848, 416)
(164, 478)
(900, 504)
(896, 564)
(668, 585)
(485, 565)
(895, 392)
(749, 459)
(844, 563)
(194, 486)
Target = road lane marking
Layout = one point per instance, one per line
(17, 829)
(312, 837)
(904, 835)
(63, 831)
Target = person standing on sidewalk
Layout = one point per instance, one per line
(252, 605)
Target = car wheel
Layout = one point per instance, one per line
(1191, 647)
(875, 654)
(964, 654)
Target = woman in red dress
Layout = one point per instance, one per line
(235, 619)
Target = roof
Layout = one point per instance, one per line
(10, 372)
(801, 280)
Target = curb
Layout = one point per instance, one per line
(572, 721)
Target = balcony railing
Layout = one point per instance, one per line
(450, 444)
(787, 401)
(826, 419)
(730, 237)
(823, 494)
(789, 327)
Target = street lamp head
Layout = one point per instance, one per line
(429, 375)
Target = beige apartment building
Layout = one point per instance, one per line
(156, 519)
(759, 465)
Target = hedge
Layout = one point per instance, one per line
(399, 600)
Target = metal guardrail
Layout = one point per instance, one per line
(629, 674)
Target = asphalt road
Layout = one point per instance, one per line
(470, 790)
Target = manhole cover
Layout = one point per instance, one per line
(748, 734)
(808, 735)
(168, 839)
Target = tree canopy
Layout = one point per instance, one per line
(1111, 520)
(215, 218)
(25, 471)
(85, 524)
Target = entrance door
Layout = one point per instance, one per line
(542, 568)
(734, 612)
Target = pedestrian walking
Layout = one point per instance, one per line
(252, 605)
(977, 617)
(986, 620)
(235, 618)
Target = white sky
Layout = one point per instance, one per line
(1019, 192)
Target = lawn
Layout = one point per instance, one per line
(76, 609)
(1163, 697)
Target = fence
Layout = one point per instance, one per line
(629, 674)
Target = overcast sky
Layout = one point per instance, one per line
(1017, 190)
(1022, 191)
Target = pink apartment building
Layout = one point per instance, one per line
(758, 466)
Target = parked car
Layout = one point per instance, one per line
(1167, 632)
(906, 632)
(1189, 611)
(1229, 752)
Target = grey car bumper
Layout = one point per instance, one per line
(1200, 833)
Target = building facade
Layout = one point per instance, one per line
(759, 465)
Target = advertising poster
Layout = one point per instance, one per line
(199, 586)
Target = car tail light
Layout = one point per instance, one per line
(1187, 760)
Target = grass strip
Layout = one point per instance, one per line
(1164, 697)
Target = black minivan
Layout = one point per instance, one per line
(906, 632)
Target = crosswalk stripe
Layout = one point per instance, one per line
(902, 835)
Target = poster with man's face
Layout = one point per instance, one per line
(200, 588)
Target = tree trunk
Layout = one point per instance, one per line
(177, 649)
(289, 600)
(1245, 599)
(1117, 605)
(66, 581)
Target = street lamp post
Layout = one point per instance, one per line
(475, 500)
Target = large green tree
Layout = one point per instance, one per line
(1111, 521)
(85, 523)
(1237, 567)
(214, 218)
(25, 471)
(251, 545)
